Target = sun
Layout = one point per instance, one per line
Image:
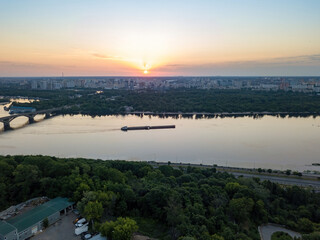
(145, 68)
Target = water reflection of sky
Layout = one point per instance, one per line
(267, 142)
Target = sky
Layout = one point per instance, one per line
(159, 38)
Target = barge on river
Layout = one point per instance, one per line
(125, 128)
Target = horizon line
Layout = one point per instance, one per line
(135, 76)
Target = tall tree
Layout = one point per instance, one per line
(93, 211)
(121, 229)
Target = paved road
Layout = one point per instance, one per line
(222, 113)
(282, 180)
(266, 231)
(63, 230)
(315, 184)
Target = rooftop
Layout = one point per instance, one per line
(37, 214)
(5, 228)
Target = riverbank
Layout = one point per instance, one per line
(178, 101)
(226, 114)
(281, 177)
(265, 172)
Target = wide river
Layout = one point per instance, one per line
(267, 142)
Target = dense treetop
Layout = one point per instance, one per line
(174, 100)
(163, 202)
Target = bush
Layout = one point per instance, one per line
(280, 236)
(45, 223)
(305, 225)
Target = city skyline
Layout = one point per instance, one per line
(167, 38)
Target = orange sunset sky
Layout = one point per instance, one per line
(159, 38)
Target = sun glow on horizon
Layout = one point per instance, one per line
(156, 38)
(146, 68)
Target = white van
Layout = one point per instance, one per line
(82, 229)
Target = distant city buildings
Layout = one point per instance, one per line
(295, 84)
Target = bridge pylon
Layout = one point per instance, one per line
(6, 126)
(31, 119)
(48, 115)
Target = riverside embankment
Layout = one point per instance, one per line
(309, 181)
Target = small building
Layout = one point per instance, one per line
(7, 231)
(31, 222)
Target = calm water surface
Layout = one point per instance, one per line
(269, 142)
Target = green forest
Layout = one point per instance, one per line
(175, 100)
(3, 100)
(161, 202)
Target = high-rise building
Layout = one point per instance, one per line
(43, 85)
(34, 84)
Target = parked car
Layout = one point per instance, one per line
(76, 212)
(82, 220)
(81, 229)
(87, 236)
(76, 220)
(79, 224)
(98, 237)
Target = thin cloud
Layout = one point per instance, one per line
(293, 65)
(313, 59)
(114, 58)
(32, 65)
(175, 65)
(302, 59)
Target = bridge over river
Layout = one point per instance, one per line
(30, 115)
